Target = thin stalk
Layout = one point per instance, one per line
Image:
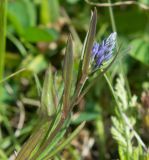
(12, 75)
(115, 30)
(121, 3)
(112, 17)
(111, 88)
(3, 6)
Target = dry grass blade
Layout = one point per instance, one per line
(141, 5)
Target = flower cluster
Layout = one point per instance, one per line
(103, 52)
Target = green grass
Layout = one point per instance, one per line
(52, 105)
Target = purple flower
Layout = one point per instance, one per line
(103, 52)
(95, 49)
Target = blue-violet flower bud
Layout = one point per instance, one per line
(103, 52)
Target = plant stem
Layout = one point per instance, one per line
(115, 30)
(95, 80)
(112, 90)
(112, 17)
(3, 6)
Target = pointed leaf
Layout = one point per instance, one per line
(54, 142)
(31, 144)
(66, 142)
(87, 48)
(47, 99)
(67, 73)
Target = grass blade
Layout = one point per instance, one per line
(31, 144)
(12, 75)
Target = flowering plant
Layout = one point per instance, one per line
(47, 140)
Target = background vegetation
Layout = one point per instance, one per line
(116, 109)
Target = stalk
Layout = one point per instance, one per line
(3, 6)
(115, 30)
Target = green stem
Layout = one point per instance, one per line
(112, 17)
(121, 66)
(3, 4)
(112, 90)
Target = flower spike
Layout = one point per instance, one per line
(103, 52)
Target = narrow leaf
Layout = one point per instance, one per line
(30, 145)
(87, 48)
(67, 73)
(50, 145)
(12, 75)
(86, 52)
(47, 99)
(65, 142)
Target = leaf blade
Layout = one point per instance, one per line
(67, 73)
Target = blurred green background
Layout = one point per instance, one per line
(36, 34)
